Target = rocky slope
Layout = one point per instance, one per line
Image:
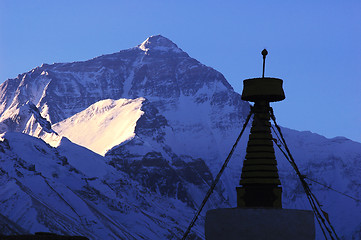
(71, 190)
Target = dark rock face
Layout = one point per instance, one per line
(151, 123)
(155, 173)
(195, 171)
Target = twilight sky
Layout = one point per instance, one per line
(314, 46)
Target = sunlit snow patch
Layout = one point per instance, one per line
(102, 125)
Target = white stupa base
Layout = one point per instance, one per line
(259, 223)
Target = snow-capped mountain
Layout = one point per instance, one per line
(164, 123)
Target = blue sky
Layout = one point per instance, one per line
(314, 46)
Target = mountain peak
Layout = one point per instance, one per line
(159, 43)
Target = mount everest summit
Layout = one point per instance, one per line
(125, 145)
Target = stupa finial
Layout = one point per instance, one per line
(264, 53)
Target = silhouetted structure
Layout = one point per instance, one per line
(260, 181)
(259, 213)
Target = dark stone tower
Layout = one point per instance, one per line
(260, 181)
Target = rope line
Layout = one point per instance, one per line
(215, 181)
(311, 201)
(316, 206)
(321, 215)
(346, 195)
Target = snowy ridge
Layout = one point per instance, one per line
(159, 43)
(103, 125)
(26, 117)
